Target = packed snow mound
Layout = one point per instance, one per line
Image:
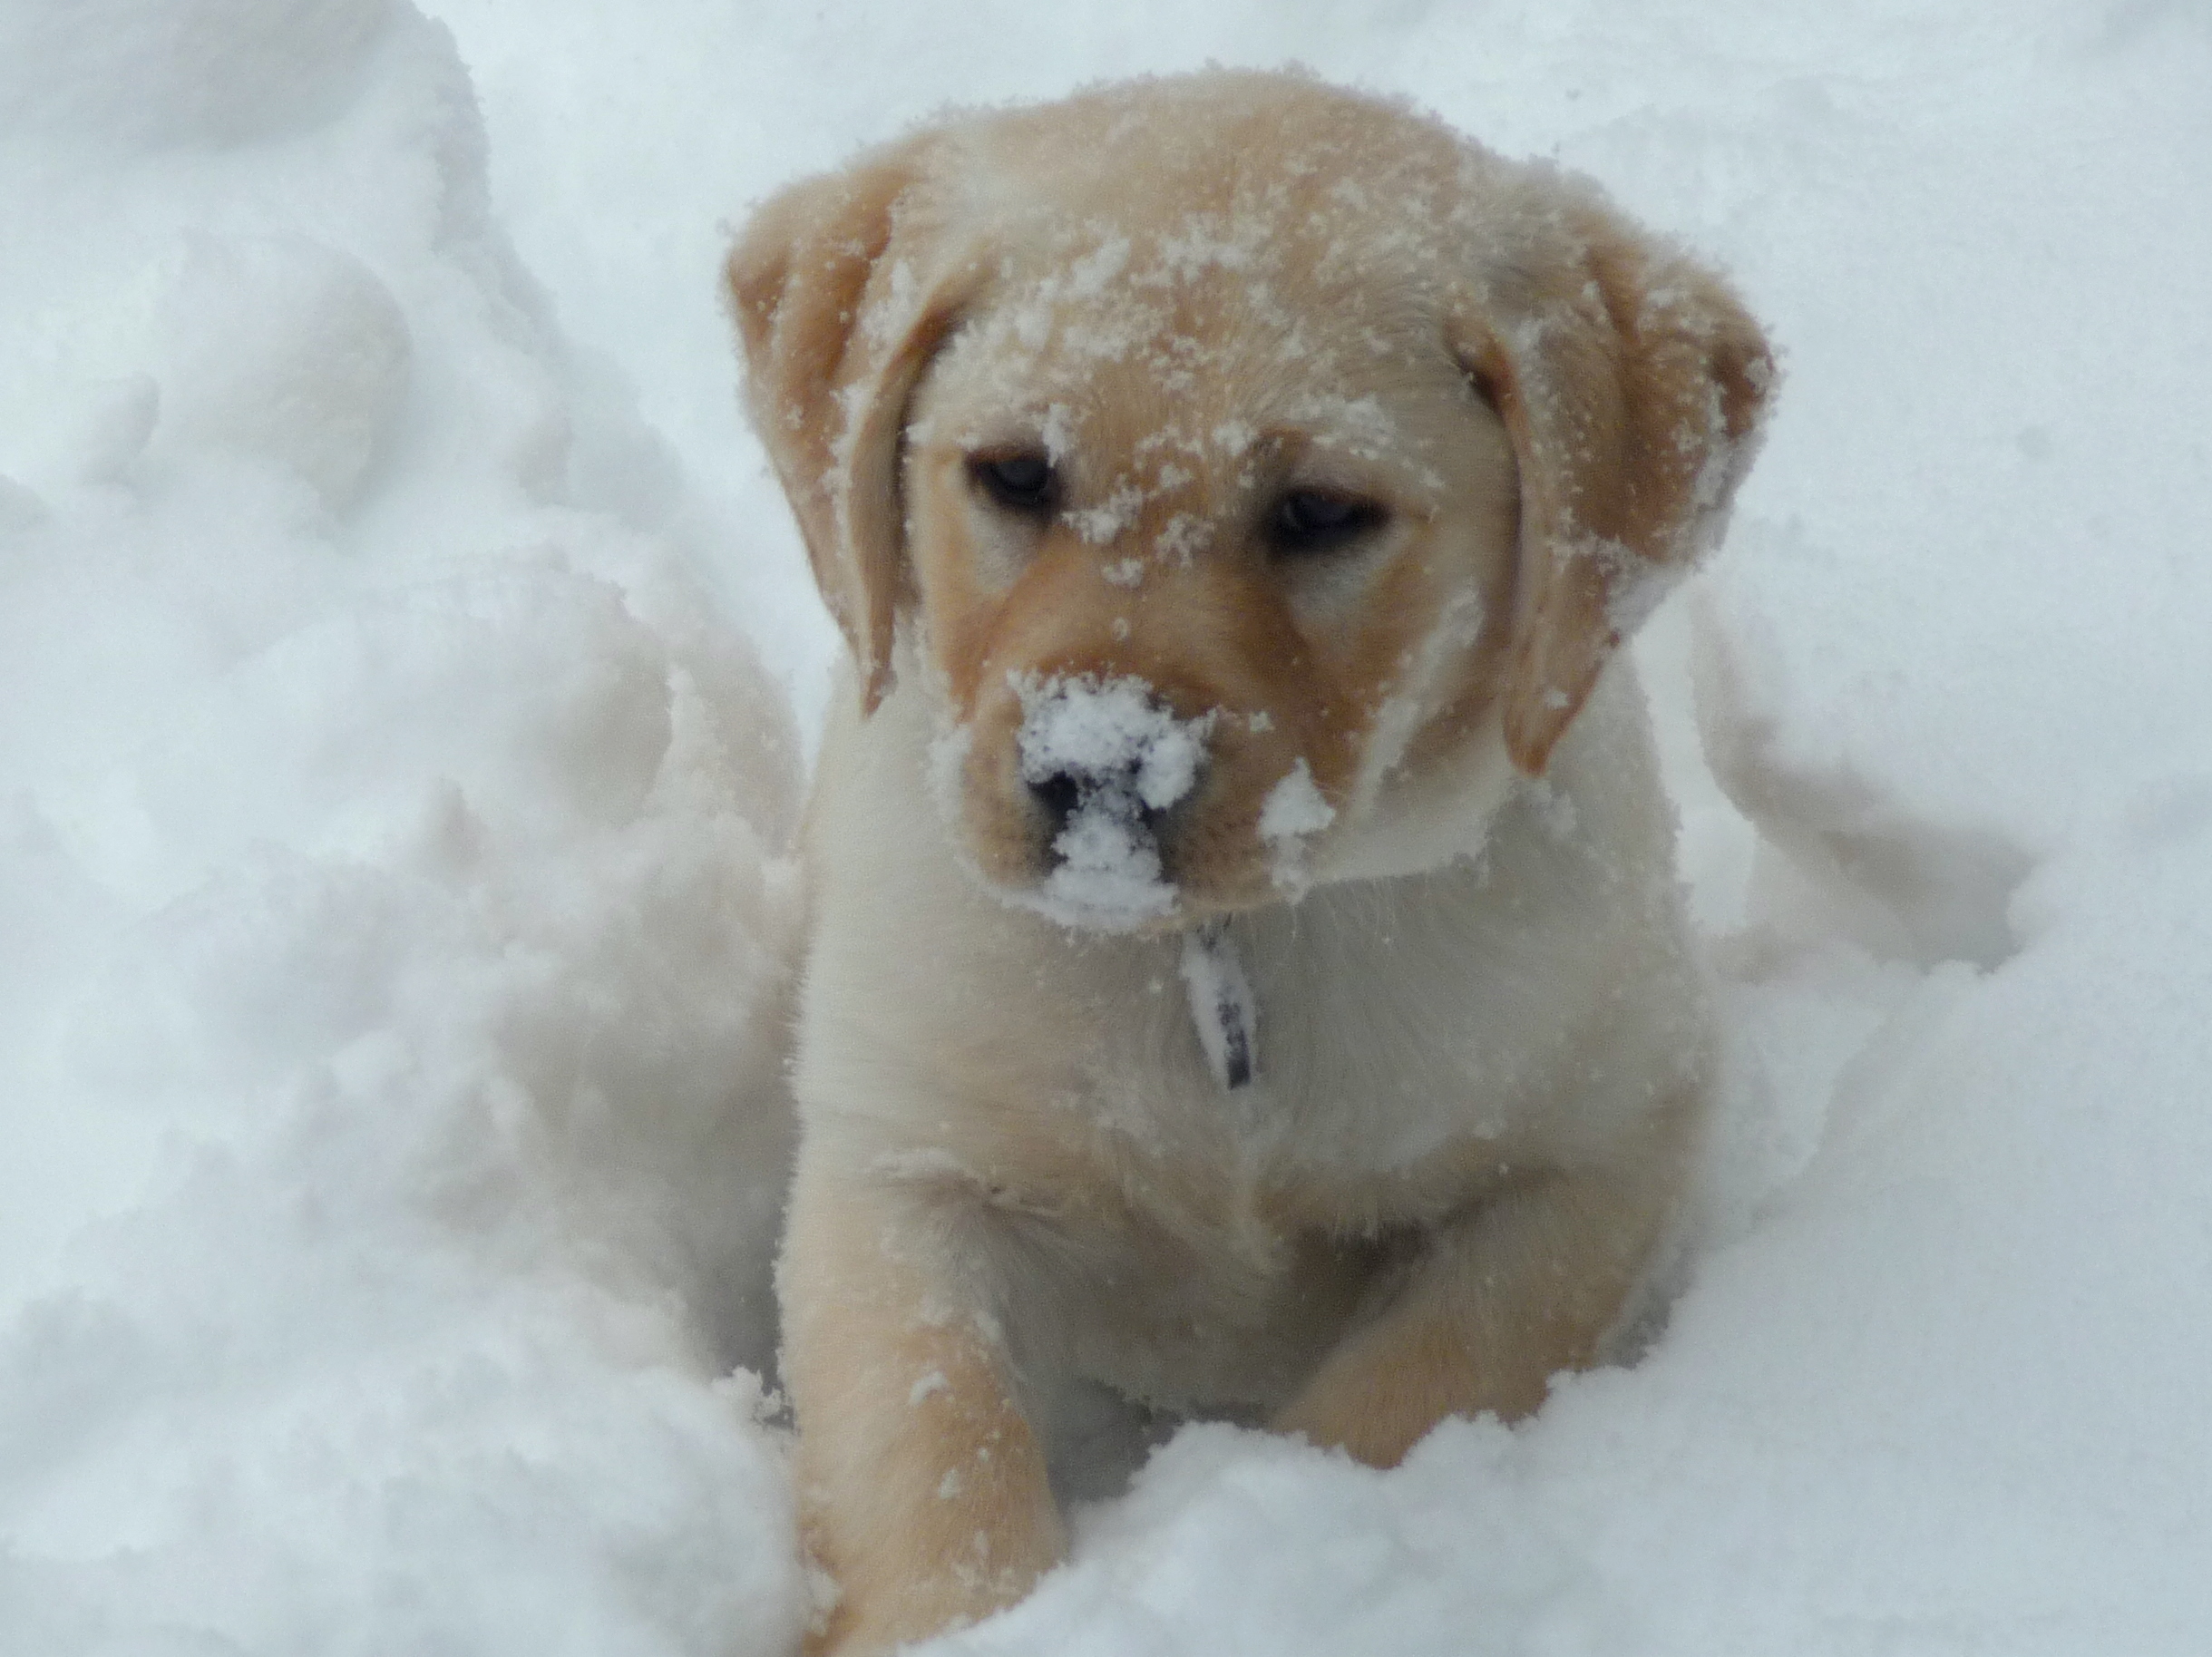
(285, 351)
(395, 876)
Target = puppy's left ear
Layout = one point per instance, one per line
(1631, 382)
(841, 293)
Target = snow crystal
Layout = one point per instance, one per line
(1088, 277)
(1294, 806)
(1293, 812)
(1234, 438)
(927, 1385)
(1058, 433)
(1102, 523)
(1184, 536)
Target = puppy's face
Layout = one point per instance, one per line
(1191, 544)
(1237, 456)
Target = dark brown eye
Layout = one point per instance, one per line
(1321, 521)
(1021, 481)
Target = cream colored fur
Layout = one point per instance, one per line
(1483, 1049)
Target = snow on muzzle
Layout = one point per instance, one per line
(1103, 761)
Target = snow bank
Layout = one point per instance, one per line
(394, 883)
(391, 832)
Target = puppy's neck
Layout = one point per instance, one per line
(1419, 820)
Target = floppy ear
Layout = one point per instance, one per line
(1631, 382)
(839, 306)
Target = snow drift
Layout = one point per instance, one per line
(393, 819)
(398, 922)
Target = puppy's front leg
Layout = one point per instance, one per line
(921, 1485)
(1501, 1300)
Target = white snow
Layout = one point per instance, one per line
(1293, 813)
(397, 922)
(392, 816)
(282, 350)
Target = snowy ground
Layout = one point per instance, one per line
(397, 634)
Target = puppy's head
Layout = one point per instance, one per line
(1237, 453)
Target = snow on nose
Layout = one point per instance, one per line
(1104, 759)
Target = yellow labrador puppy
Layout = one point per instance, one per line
(1246, 970)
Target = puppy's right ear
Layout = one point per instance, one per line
(840, 300)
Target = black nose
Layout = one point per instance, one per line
(1060, 794)
(1057, 794)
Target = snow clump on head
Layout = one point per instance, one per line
(1124, 758)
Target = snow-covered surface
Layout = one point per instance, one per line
(391, 810)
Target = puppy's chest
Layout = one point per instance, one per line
(1367, 1111)
(1363, 1067)
(1194, 1242)
(1187, 1246)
